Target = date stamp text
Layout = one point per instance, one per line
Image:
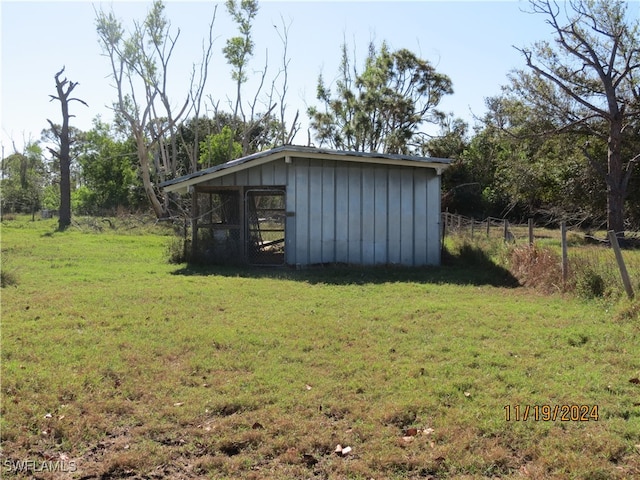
(551, 413)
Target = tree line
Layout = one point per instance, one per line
(561, 141)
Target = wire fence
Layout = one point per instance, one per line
(454, 224)
(494, 227)
(565, 237)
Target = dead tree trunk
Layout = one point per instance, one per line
(64, 88)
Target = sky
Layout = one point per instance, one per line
(470, 41)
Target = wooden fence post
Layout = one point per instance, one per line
(623, 269)
(488, 225)
(531, 231)
(506, 229)
(444, 228)
(565, 256)
(473, 222)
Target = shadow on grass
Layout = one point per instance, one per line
(471, 266)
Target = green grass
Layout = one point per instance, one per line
(127, 365)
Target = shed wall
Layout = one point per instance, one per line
(362, 214)
(353, 212)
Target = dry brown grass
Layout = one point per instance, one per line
(537, 267)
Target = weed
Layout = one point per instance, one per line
(8, 274)
(628, 311)
(176, 250)
(589, 284)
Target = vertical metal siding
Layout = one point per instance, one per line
(328, 233)
(341, 213)
(354, 220)
(380, 215)
(433, 219)
(420, 216)
(393, 216)
(315, 211)
(302, 200)
(369, 195)
(280, 170)
(255, 176)
(290, 244)
(406, 217)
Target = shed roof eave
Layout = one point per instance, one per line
(182, 184)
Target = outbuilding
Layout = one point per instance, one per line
(301, 206)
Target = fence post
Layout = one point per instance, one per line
(444, 225)
(488, 225)
(506, 229)
(473, 222)
(623, 268)
(565, 256)
(531, 231)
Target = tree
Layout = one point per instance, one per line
(588, 82)
(140, 69)
(219, 148)
(529, 174)
(255, 129)
(239, 50)
(108, 171)
(64, 88)
(383, 108)
(23, 180)
(49, 137)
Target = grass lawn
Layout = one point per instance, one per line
(117, 364)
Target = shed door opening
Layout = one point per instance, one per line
(265, 227)
(217, 229)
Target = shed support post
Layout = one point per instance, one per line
(194, 222)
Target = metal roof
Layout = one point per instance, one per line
(181, 183)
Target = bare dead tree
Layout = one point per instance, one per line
(286, 135)
(140, 69)
(249, 116)
(64, 88)
(588, 76)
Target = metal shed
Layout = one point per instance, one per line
(304, 205)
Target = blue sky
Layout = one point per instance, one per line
(470, 41)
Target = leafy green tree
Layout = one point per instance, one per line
(219, 148)
(383, 108)
(239, 50)
(23, 180)
(109, 174)
(587, 82)
(534, 174)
